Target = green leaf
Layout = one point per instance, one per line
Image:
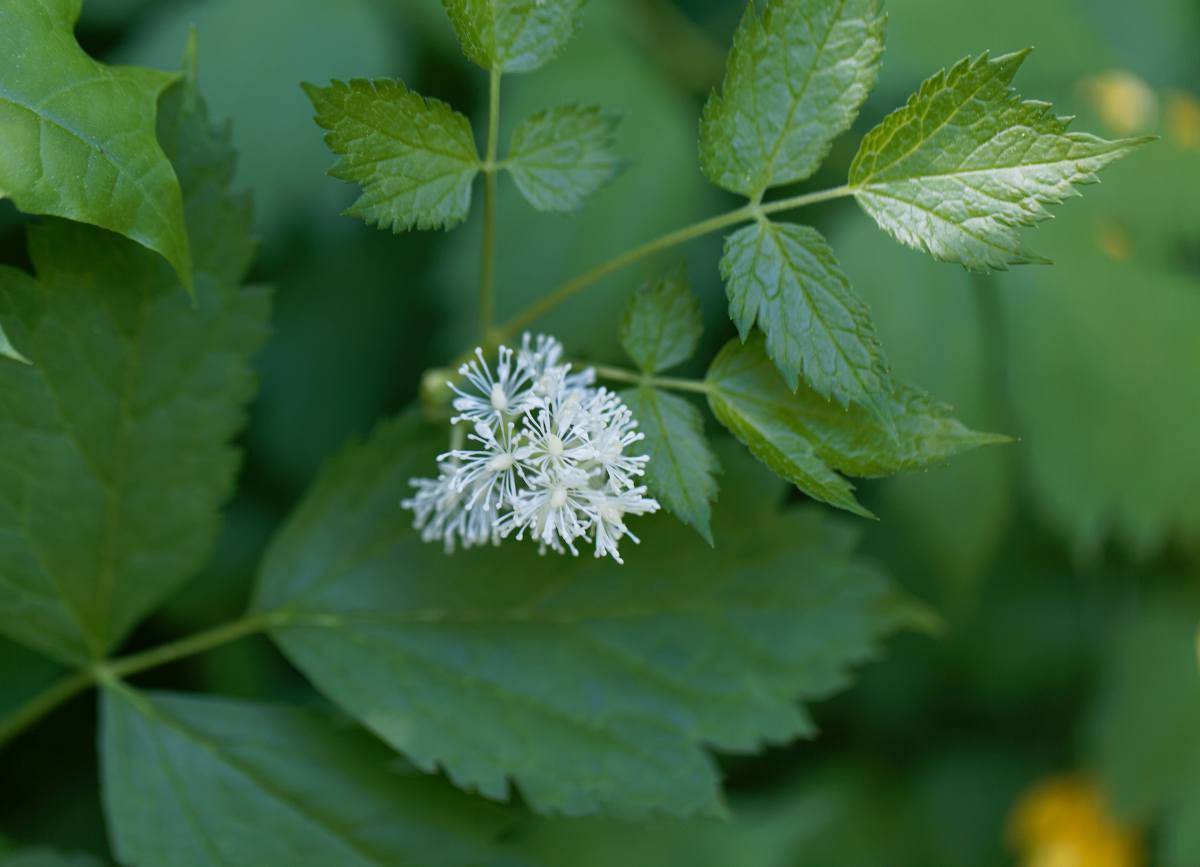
(662, 323)
(415, 158)
(795, 79)
(561, 156)
(79, 136)
(807, 440)
(513, 35)
(47, 858)
(681, 470)
(593, 687)
(117, 439)
(8, 350)
(967, 161)
(204, 782)
(785, 278)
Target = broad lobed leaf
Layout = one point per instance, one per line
(807, 440)
(662, 322)
(796, 77)
(785, 279)
(591, 687)
(681, 472)
(561, 156)
(193, 781)
(513, 35)
(414, 158)
(116, 440)
(967, 161)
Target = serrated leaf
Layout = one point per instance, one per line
(195, 781)
(966, 162)
(808, 441)
(572, 665)
(47, 858)
(796, 77)
(415, 158)
(116, 441)
(662, 322)
(79, 136)
(785, 278)
(681, 471)
(513, 35)
(561, 156)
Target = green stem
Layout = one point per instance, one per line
(42, 703)
(190, 646)
(487, 274)
(620, 374)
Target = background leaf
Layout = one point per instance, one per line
(47, 858)
(79, 135)
(560, 156)
(662, 323)
(513, 35)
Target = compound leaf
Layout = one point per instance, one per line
(79, 136)
(513, 35)
(682, 468)
(194, 781)
(561, 156)
(796, 77)
(116, 439)
(807, 440)
(785, 278)
(415, 158)
(662, 323)
(598, 685)
(966, 162)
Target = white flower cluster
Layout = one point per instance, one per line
(546, 458)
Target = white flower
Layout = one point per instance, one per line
(547, 458)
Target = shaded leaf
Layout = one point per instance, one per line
(808, 441)
(79, 136)
(414, 157)
(797, 74)
(561, 156)
(662, 323)
(8, 350)
(116, 440)
(513, 35)
(785, 278)
(598, 685)
(47, 858)
(966, 162)
(681, 471)
(194, 781)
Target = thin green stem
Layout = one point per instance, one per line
(190, 646)
(620, 374)
(487, 272)
(43, 703)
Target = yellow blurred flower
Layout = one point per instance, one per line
(1183, 119)
(1126, 103)
(1066, 822)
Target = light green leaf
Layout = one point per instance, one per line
(598, 686)
(79, 136)
(415, 158)
(47, 858)
(561, 156)
(681, 470)
(8, 350)
(967, 161)
(785, 278)
(796, 76)
(662, 323)
(117, 439)
(513, 35)
(808, 441)
(205, 782)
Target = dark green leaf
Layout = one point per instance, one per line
(785, 278)
(591, 686)
(808, 440)
(561, 156)
(116, 440)
(79, 135)
(47, 858)
(513, 35)
(796, 76)
(205, 782)
(681, 471)
(414, 157)
(967, 161)
(662, 323)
